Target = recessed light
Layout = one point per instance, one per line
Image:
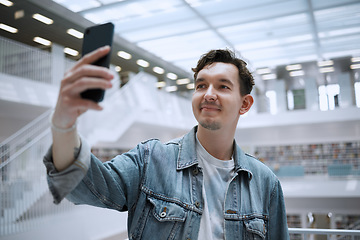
(182, 81)
(43, 19)
(325, 63)
(297, 73)
(42, 41)
(158, 70)
(171, 88)
(261, 71)
(118, 68)
(71, 51)
(75, 33)
(172, 76)
(293, 67)
(124, 55)
(355, 66)
(190, 86)
(8, 28)
(6, 3)
(268, 76)
(160, 84)
(142, 63)
(326, 69)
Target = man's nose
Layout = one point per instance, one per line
(210, 94)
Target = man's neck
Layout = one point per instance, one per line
(218, 143)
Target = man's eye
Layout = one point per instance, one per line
(224, 87)
(200, 86)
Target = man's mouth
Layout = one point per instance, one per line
(209, 107)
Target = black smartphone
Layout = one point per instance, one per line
(95, 37)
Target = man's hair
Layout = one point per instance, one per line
(227, 56)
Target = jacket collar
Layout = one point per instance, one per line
(187, 154)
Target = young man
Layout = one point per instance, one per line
(201, 186)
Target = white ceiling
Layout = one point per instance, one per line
(265, 32)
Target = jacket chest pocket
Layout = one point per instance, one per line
(165, 220)
(255, 229)
(165, 211)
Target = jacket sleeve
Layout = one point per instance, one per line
(278, 228)
(113, 184)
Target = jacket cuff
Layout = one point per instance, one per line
(63, 182)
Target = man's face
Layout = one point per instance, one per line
(216, 101)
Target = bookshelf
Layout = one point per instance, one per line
(315, 158)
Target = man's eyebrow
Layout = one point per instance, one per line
(224, 80)
(199, 80)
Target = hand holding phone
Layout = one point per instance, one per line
(95, 37)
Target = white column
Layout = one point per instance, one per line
(311, 94)
(346, 90)
(57, 63)
(280, 90)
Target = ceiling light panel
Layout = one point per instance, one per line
(187, 45)
(132, 11)
(129, 23)
(280, 30)
(165, 30)
(188, 64)
(78, 5)
(251, 13)
(109, 1)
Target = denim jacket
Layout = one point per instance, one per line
(160, 185)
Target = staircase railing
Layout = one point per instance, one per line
(22, 174)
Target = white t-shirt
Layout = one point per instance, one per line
(217, 176)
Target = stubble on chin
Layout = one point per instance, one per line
(210, 125)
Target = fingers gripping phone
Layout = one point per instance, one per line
(95, 37)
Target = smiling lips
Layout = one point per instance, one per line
(209, 107)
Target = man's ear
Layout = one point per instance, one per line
(247, 102)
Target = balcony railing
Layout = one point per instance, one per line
(331, 234)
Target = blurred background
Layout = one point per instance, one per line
(305, 123)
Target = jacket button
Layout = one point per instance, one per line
(197, 204)
(195, 171)
(163, 213)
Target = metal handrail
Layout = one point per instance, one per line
(17, 142)
(328, 232)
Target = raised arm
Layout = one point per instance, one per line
(70, 105)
